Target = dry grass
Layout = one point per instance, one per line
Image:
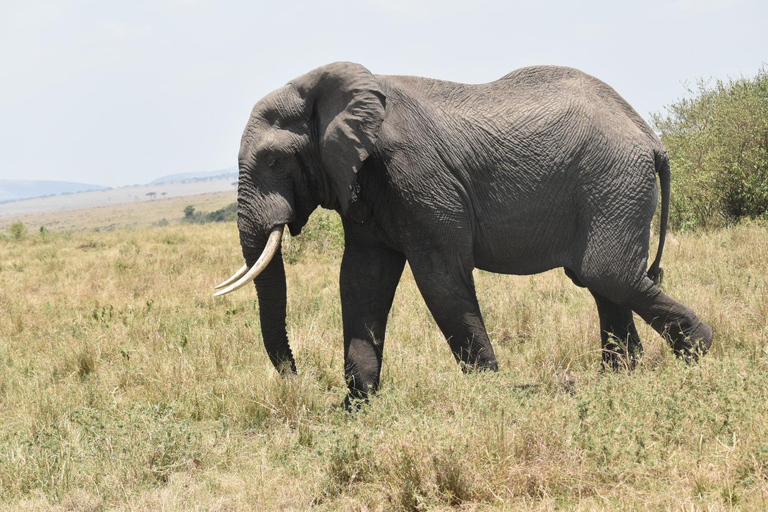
(126, 385)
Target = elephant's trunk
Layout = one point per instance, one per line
(265, 266)
(271, 290)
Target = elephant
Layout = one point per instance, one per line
(544, 168)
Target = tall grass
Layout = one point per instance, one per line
(124, 384)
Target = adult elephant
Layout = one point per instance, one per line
(546, 167)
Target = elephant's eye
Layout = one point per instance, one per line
(274, 164)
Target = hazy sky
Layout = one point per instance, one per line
(119, 93)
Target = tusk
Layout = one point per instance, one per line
(273, 244)
(240, 273)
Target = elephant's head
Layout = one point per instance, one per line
(302, 147)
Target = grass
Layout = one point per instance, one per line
(125, 385)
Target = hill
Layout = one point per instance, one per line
(15, 190)
(137, 194)
(123, 215)
(191, 177)
(22, 190)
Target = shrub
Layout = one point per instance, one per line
(718, 146)
(18, 230)
(225, 214)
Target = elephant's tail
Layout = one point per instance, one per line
(661, 162)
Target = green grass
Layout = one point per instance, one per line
(125, 385)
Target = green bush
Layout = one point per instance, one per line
(323, 234)
(18, 230)
(718, 146)
(227, 213)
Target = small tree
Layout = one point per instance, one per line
(189, 211)
(718, 146)
(18, 230)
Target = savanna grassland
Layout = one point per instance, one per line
(105, 200)
(125, 385)
(116, 216)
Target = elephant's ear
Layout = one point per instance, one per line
(347, 109)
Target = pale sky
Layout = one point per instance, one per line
(120, 93)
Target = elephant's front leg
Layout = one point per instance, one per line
(448, 288)
(369, 277)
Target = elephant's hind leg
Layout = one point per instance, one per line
(449, 292)
(688, 336)
(613, 265)
(621, 344)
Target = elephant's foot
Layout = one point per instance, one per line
(352, 404)
(360, 389)
(479, 365)
(688, 336)
(690, 343)
(621, 354)
(359, 393)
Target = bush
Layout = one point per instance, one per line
(227, 213)
(718, 146)
(323, 234)
(18, 230)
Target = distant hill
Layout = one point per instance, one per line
(17, 190)
(14, 190)
(136, 194)
(191, 177)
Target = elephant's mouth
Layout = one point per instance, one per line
(297, 224)
(295, 229)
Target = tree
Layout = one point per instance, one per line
(152, 195)
(189, 211)
(18, 230)
(718, 146)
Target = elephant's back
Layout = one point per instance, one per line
(535, 98)
(537, 77)
(599, 101)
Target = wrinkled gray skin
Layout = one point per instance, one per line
(546, 167)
